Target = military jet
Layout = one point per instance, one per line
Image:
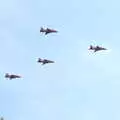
(12, 76)
(44, 61)
(47, 30)
(96, 48)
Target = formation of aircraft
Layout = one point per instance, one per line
(44, 61)
(12, 76)
(47, 30)
(96, 48)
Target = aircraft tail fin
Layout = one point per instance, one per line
(91, 47)
(41, 29)
(6, 75)
(39, 60)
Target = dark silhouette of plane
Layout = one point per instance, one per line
(47, 30)
(44, 61)
(12, 76)
(96, 48)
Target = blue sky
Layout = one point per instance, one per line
(81, 85)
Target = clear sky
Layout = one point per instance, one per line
(80, 85)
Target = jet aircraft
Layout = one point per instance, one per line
(12, 76)
(96, 48)
(47, 30)
(44, 61)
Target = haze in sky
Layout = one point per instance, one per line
(80, 85)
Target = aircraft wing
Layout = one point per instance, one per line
(95, 50)
(46, 33)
